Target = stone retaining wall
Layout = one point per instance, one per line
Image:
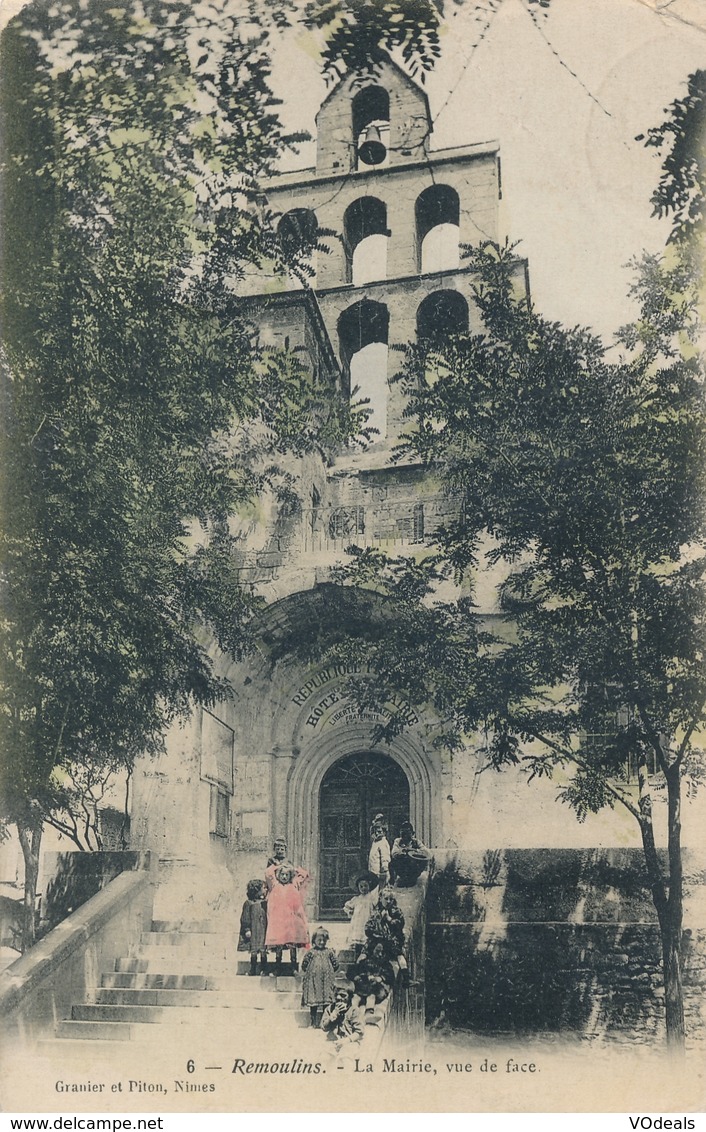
(563, 942)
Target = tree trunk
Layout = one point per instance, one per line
(30, 840)
(671, 928)
(667, 899)
(673, 994)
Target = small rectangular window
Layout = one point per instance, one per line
(219, 818)
(607, 726)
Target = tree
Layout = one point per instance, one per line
(134, 141)
(681, 192)
(584, 480)
(139, 411)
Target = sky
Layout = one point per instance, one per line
(565, 102)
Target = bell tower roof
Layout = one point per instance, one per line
(373, 117)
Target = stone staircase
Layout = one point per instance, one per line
(185, 984)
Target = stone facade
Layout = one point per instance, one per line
(290, 753)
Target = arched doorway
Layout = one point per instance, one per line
(353, 790)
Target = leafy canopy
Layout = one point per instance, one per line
(135, 138)
(580, 483)
(681, 192)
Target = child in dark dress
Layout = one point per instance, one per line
(253, 925)
(373, 977)
(386, 926)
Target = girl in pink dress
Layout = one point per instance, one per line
(286, 919)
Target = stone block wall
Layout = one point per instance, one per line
(472, 173)
(556, 942)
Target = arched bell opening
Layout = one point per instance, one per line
(437, 213)
(297, 234)
(441, 315)
(365, 235)
(363, 334)
(371, 126)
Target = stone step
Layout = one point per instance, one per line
(93, 1031)
(136, 981)
(282, 982)
(250, 995)
(183, 960)
(106, 1012)
(155, 964)
(212, 1029)
(173, 962)
(172, 980)
(189, 941)
(243, 968)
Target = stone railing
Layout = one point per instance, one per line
(38, 990)
(407, 1012)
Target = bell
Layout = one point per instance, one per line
(372, 150)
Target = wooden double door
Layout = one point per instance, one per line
(354, 789)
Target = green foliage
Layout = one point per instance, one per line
(139, 411)
(681, 192)
(360, 33)
(589, 476)
(582, 478)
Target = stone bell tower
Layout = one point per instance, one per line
(390, 216)
(381, 220)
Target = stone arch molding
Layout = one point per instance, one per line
(311, 739)
(311, 766)
(299, 719)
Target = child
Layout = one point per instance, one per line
(378, 819)
(319, 967)
(343, 1023)
(373, 977)
(286, 919)
(359, 909)
(386, 926)
(279, 853)
(379, 856)
(408, 858)
(253, 925)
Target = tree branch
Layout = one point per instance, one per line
(571, 756)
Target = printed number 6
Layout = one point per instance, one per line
(190, 1066)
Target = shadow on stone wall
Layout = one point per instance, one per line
(555, 942)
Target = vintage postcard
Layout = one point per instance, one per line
(353, 665)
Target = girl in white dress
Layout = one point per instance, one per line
(359, 909)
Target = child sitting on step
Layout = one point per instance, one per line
(344, 1024)
(373, 977)
(386, 926)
